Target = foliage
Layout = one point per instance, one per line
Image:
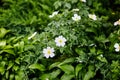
(88, 54)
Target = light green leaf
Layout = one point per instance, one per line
(67, 77)
(101, 58)
(10, 64)
(78, 68)
(10, 51)
(37, 66)
(68, 5)
(2, 70)
(45, 77)
(11, 76)
(90, 74)
(54, 74)
(7, 74)
(8, 47)
(66, 61)
(2, 44)
(54, 65)
(68, 69)
(21, 46)
(15, 67)
(3, 32)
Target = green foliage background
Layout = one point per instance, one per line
(89, 52)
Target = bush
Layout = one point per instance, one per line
(78, 41)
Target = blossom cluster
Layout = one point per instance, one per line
(49, 52)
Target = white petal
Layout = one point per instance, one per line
(116, 45)
(115, 23)
(75, 15)
(117, 49)
(46, 55)
(63, 44)
(52, 55)
(50, 16)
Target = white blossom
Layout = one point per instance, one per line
(117, 23)
(53, 14)
(76, 17)
(48, 52)
(60, 41)
(92, 16)
(83, 0)
(32, 35)
(117, 47)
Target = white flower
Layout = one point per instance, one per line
(49, 52)
(32, 35)
(53, 14)
(76, 17)
(60, 41)
(92, 16)
(117, 47)
(83, 0)
(117, 23)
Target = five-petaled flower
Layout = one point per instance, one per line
(83, 0)
(60, 41)
(76, 17)
(49, 52)
(117, 23)
(32, 35)
(53, 14)
(117, 47)
(92, 16)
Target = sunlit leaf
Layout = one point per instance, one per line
(67, 77)
(78, 68)
(68, 69)
(37, 66)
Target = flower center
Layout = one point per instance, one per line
(48, 51)
(60, 41)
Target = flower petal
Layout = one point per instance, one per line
(116, 45)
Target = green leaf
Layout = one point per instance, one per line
(90, 74)
(101, 58)
(57, 4)
(3, 32)
(68, 5)
(8, 47)
(74, 1)
(54, 65)
(21, 46)
(78, 68)
(102, 39)
(10, 51)
(67, 77)
(2, 44)
(7, 74)
(66, 61)
(2, 70)
(11, 76)
(55, 73)
(37, 66)
(10, 64)
(79, 52)
(68, 69)
(45, 77)
(15, 67)
(91, 30)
